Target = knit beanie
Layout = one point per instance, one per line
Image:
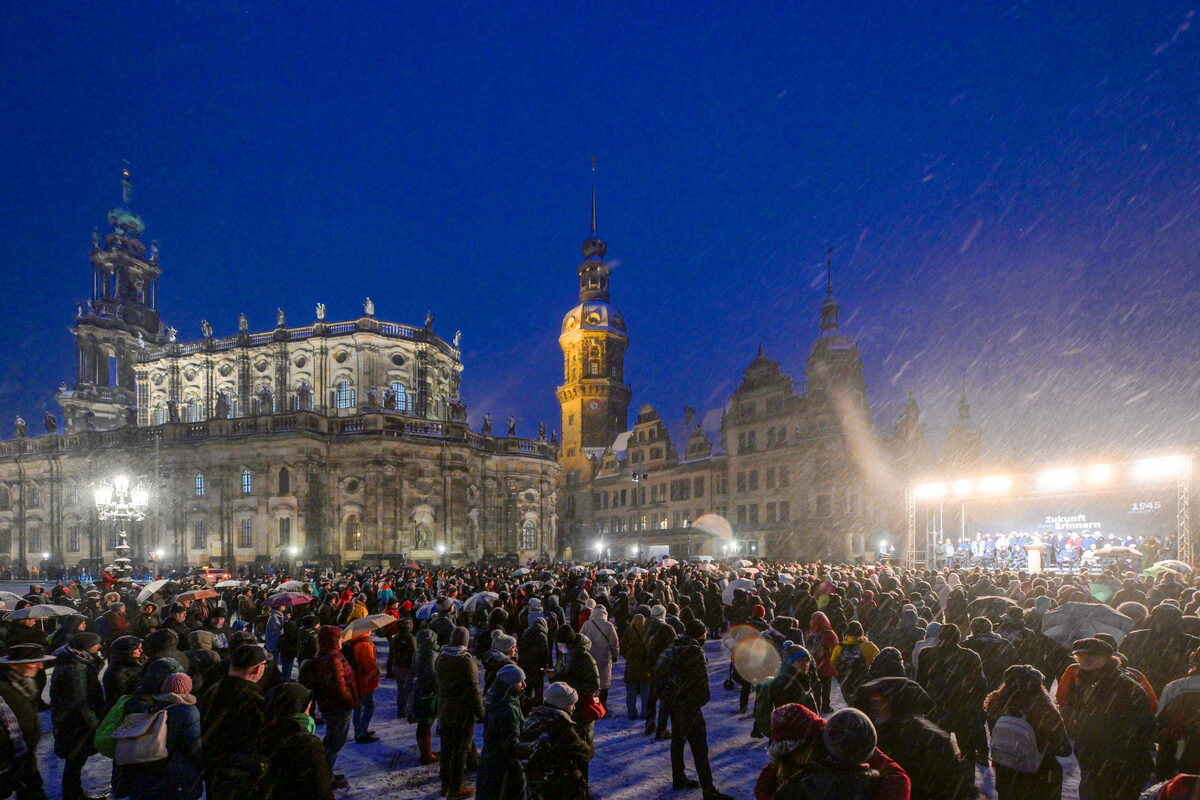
(84, 640)
(565, 635)
(560, 695)
(658, 612)
(510, 675)
(793, 722)
(502, 642)
(850, 736)
(177, 683)
(758, 611)
(460, 637)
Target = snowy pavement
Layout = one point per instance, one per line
(628, 765)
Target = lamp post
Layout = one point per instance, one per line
(638, 479)
(124, 503)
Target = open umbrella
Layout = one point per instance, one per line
(42, 611)
(1178, 566)
(749, 572)
(11, 598)
(530, 586)
(605, 572)
(741, 562)
(149, 589)
(289, 586)
(668, 562)
(427, 610)
(231, 584)
(288, 599)
(1116, 552)
(195, 594)
(1080, 620)
(635, 571)
(786, 577)
(578, 568)
(480, 600)
(371, 622)
(1159, 568)
(522, 572)
(992, 606)
(736, 583)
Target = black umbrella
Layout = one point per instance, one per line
(992, 607)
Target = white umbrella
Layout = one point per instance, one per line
(737, 583)
(478, 599)
(669, 562)
(522, 572)
(42, 611)
(371, 622)
(635, 571)
(741, 562)
(1116, 552)
(231, 584)
(605, 572)
(149, 589)
(578, 568)
(530, 585)
(785, 577)
(1178, 566)
(288, 586)
(749, 571)
(10, 597)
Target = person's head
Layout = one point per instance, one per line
(248, 662)
(119, 608)
(503, 643)
(511, 676)
(561, 696)
(86, 641)
(854, 628)
(179, 612)
(850, 736)
(26, 660)
(1092, 654)
(695, 629)
(796, 733)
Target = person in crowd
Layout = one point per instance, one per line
(276, 619)
(638, 670)
(401, 649)
(1110, 722)
(1161, 651)
(336, 693)
(145, 621)
(502, 653)
(605, 647)
(852, 657)
(659, 636)
(499, 776)
(796, 682)
(122, 676)
(552, 755)
(995, 653)
(296, 764)
(179, 776)
(360, 653)
(1026, 770)
(953, 677)
(19, 698)
(231, 721)
(820, 643)
(289, 644)
(681, 677)
(534, 656)
(1179, 723)
(76, 707)
(424, 688)
(459, 708)
(577, 669)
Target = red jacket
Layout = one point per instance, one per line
(336, 687)
(820, 642)
(361, 654)
(894, 783)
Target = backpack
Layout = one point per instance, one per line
(851, 666)
(666, 675)
(1014, 745)
(141, 738)
(812, 643)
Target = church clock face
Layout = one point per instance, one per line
(593, 405)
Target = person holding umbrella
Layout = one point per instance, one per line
(19, 696)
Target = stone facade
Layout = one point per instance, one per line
(333, 442)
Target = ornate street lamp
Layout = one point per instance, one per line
(123, 503)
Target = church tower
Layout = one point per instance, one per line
(834, 370)
(115, 325)
(594, 397)
(964, 440)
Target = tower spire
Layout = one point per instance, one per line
(829, 308)
(593, 197)
(829, 272)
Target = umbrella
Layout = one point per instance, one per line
(1178, 566)
(578, 568)
(741, 562)
(42, 611)
(737, 583)
(195, 594)
(231, 584)
(149, 589)
(635, 571)
(1158, 568)
(10, 597)
(707, 566)
(1081, 620)
(991, 606)
(289, 586)
(480, 600)
(749, 572)
(427, 610)
(786, 577)
(288, 599)
(371, 622)
(530, 586)
(1116, 552)
(668, 562)
(522, 572)
(1102, 591)
(604, 572)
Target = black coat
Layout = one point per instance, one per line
(554, 755)
(1108, 716)
(231, 718)
(953, 677)
(121, 678)
(681, 674)
(459, 700)
(926, 753)
(995, 654)
(296, 765)
(76, 702)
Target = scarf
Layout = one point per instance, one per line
(305, 721)
(8, 720)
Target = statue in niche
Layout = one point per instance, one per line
(280, 318)
(541, 431)
(172, 334)
(512, 425)
(428, 320)
(554, 438)
(472, 528)
(173, 410)
(243, 323)
(222, 409)
(141, 341)
(51, 422)
(304, 396)
(373, 397)
(206, 328)
(265, 404)
(19, 427)
(487, 425)
(389, 399)
(320, 312)
(368, 308)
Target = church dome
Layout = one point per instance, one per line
(594, 315)
(126, 220)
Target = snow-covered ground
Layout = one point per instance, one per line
(627, 766)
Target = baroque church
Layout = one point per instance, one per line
(327, 442)
(797, 473)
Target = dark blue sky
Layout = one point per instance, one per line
(1013, 190)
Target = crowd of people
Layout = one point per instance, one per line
(1067, 549)
(253, 689)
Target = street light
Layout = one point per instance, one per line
(123, 504)
(441, 548)
(293, 551)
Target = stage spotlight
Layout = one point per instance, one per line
(962, 488)
(1157, 468)
(1058, 478)
(1100, 473)
(929, 491)
(995, 484)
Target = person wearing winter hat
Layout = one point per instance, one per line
(499, 776)
(503, 652)
(165, 687)
(659, 636)
(76, 707)
(296, 760)
(460, 706)
(577, 668)
(549, 742)
(232, 719)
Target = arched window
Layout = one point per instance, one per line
(247, 539)
(353, 533)
(344, 395)
(159, 417)
(193, 411)
(201, 485)
(285, 531)
(247, 482)
(285, 481)
(403, 398)
(528, 535)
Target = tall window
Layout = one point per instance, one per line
(247, 539)
(199, 535)
(247, 482)
(353, 533)
(201, 485)
(285, 480)
(285, 531)
(72, 492)
(159, 417)
(73, 539)
(528, 535)
(344, 395)
(5, 498)
(403, 398)
(35, 497)
(35, 540)
(193, 411)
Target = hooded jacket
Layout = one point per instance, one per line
(360, 652)
(605, 644)
(820, 642)
(180, 776)
(76, 701)
(336, 686)
(533, 650)
(296, 759)
(459, 701)
(123, 673)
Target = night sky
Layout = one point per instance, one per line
(1012, 191)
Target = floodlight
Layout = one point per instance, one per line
(1157, 468)
(962, 488)
(929, 491)
(45, 556)
(995, 484)
(1100, 473)
(1058, 478)
(293, 551)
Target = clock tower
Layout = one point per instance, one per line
(594, 397)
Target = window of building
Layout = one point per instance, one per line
(754, 480)
(35, 496)
(783, 476)
(73, 539)
(741, 481)
(201, 485)
(698, 487)
(751, 444)
(742, 442)
(623, 497)
(770, 478)
(35, 540)
(193, 411)
(159, 417)
(785, 510)
(676, 519)
(199, 535)
(753, 509)
(656, 452)
(5, 498)
(528, 535)
(353, 533)
(72, 492)
(770, 513)
(741, 515)
(722, 484)
(403, 398)
(285, 480)
(247, 535)
(343, 395)
(247, 482)
(774, 405)
(285, 531)
(781, 435)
